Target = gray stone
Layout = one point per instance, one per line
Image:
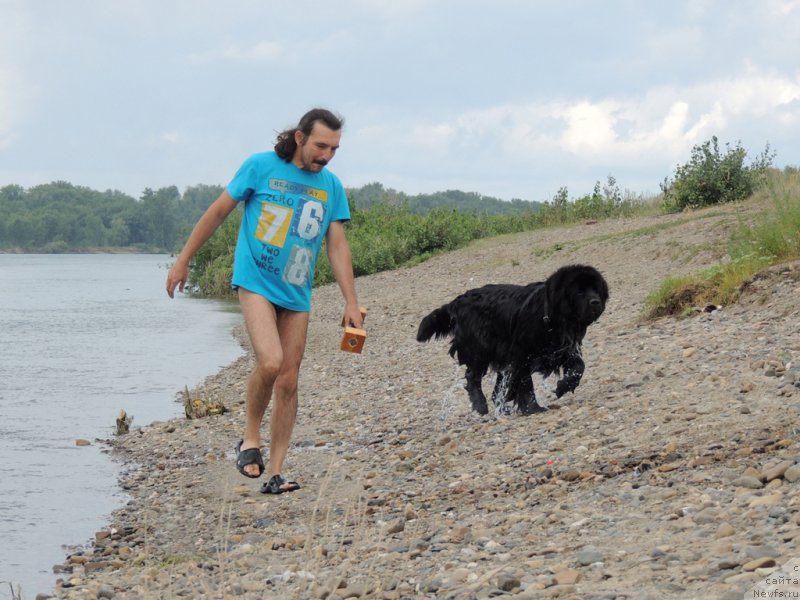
(728, 562)
(778, 470)
(747, 482)
(396, 526)
(792, 474)
(761, 551)
(707, 515)
(588, 556)
(508, 582)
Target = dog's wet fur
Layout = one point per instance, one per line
(518, 330)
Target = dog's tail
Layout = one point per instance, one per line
(438, 324)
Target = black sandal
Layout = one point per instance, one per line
(251, 456)
(276, 485)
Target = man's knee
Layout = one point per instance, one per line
(268, 369)
(286, 386)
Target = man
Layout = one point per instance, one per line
(291, 201)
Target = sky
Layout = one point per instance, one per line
(506, 98)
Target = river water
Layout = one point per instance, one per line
(81, 337)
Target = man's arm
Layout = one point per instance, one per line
(214, 216)
(342, 265)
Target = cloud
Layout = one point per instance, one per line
(170, 137)
(261, 51)
(653, 128)
(13, 94)
(530, 149)
(589, 127)
(5, 112)
(16, 102)
(783, 7)
(391, 10)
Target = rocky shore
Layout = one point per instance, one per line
(672, 472)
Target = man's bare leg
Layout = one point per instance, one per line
(278, 338)
(260, 319)
(293, 327)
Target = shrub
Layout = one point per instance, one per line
(388, 234)
(212, 266)
(714, 178)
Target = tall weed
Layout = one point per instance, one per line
(776, 235)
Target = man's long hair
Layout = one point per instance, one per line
(286, 145)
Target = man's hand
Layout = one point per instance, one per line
(177, 277)
(352, 316)
(205, 228)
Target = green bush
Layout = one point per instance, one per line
(56, 247)
(212, 267)
(711, 177)
(389, 234)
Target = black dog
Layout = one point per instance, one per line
(519, 330)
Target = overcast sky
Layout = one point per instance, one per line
(507, 98)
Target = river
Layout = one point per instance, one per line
(81, 337)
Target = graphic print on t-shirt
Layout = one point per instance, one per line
(294, 219)
(308, 223)
(295, 189)
(298, 266)
(273, 224)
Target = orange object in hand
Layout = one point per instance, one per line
(354, 338)
(363, 315)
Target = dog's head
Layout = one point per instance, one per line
(577, 293)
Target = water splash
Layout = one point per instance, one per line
(502, 406)
(545, 388)
(453, 396)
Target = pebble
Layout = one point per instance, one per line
(792, 474)
(567, 577)
(758, 563)
(748, 482)
(588, 557)
(725, 530)
(507, 582)
(778, 470)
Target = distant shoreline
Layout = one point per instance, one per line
(90, 250)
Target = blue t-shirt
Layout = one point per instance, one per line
(286, 214)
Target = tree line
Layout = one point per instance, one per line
(393, 227)
(61, 217)
(464, 202)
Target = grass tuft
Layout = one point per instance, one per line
(773, 239)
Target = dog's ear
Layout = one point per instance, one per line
(560, 299)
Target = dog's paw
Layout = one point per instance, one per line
(503, 411)
(480, 408)
(565, 386)
(531, 409)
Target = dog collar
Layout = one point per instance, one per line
(546, 318)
